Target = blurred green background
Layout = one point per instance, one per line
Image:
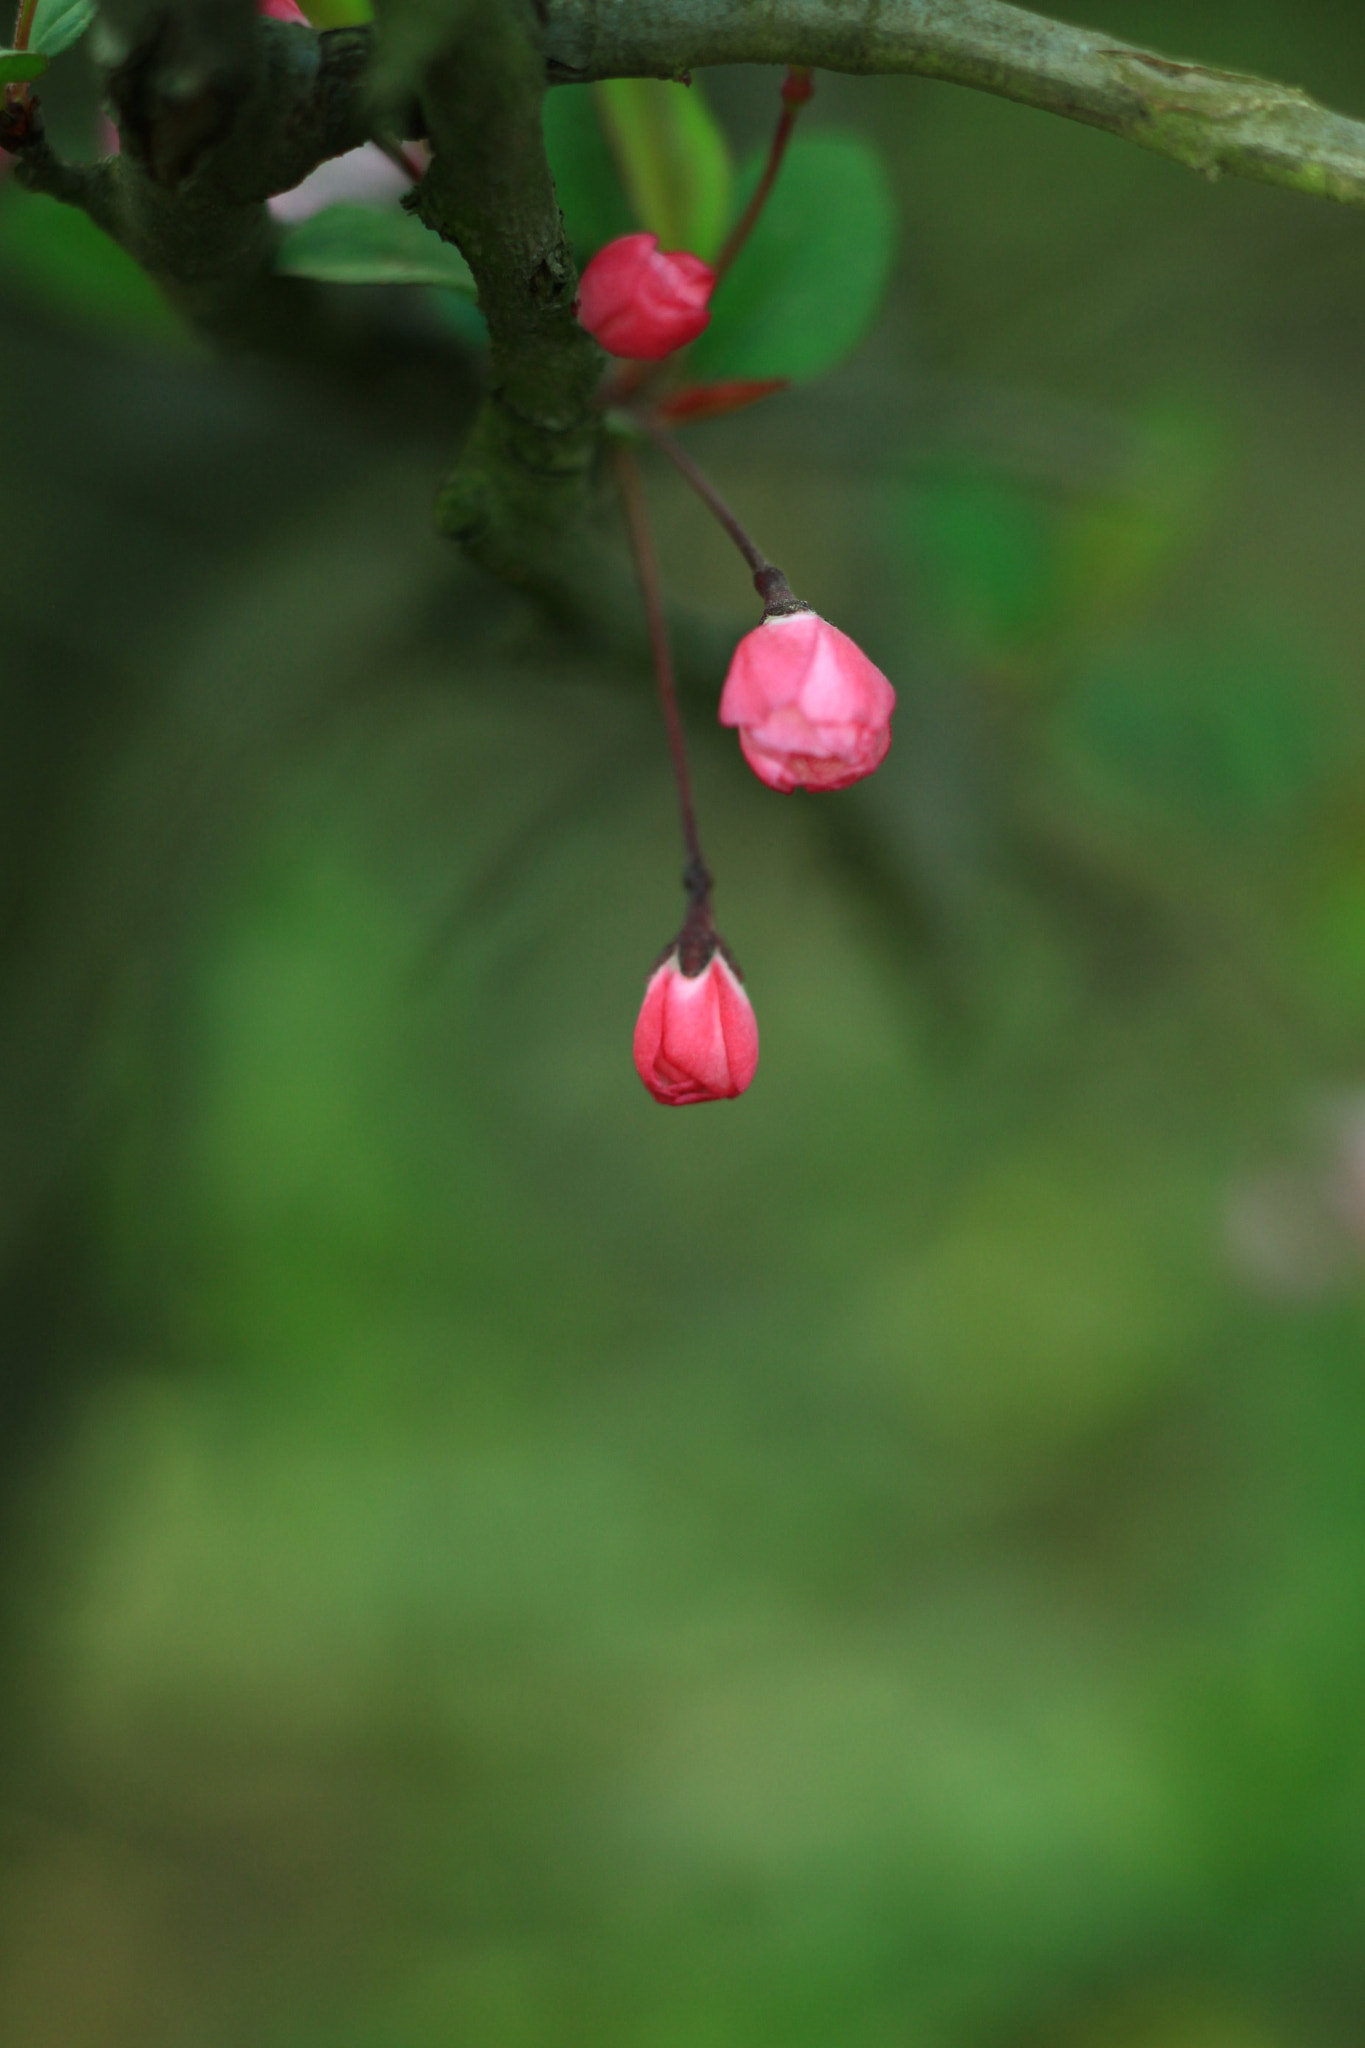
(879, 1564)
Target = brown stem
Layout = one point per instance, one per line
(23, 26)
(769, 581)
(796, 90)
(697, 879)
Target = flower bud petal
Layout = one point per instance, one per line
(641, 302)
(812, 711)
(696, 1038)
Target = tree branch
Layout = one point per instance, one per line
(186, 196)
(523, 473)
(267, 102)
(1210, 120)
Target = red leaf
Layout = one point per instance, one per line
(712, 401)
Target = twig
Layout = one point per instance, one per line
(769, 581)
(796, 90)
(1212, 121)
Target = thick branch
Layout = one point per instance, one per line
(186, 197)
(522, 476)
(304, 99)
(1212, 121)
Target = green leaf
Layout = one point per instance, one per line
(809, 282)
(674, 160)
(323, 14)
(458, 313)
(56, 255)
(587, 182)
(57, 24)
(1236, 730)
(988, 550)
(362, 245)
(1019, 575)
(21, 67)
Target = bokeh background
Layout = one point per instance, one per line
(879, 1564)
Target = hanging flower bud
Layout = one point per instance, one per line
(813, 712)
(696, 1038)
(642, 302)
(282, 10)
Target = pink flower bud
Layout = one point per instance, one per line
(813, 712)
(696, 1038)
(641, 302)
(282, 10)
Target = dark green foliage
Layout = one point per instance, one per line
(18, 66)
(56, 254)
(371, 245)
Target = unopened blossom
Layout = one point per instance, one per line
(282, 10)
(812, 711)
(696, 1038)
(641, 301)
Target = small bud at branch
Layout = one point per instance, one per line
(642, 302)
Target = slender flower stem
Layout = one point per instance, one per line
(769, 581)
(709, 495)
(697, 879)
(796, 90)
